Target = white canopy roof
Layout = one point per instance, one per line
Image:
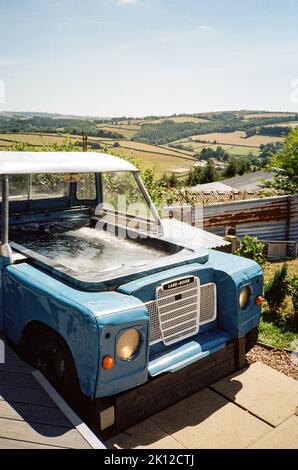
(14, 163)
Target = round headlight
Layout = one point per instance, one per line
(128, 344)
(244, 297)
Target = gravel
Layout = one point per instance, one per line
(278, 359)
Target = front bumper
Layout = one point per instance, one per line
(128, 408)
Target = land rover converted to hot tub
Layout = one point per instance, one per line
(123, 312)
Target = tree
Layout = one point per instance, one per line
(194, 177)
(206, 154)
(244, 166)
(169, 181)
(221, 154)
(285, 162)
(232, 168)
(267, 150)
(209, 173)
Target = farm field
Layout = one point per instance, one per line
(267, 115)
(231, 149)
(133, 145)
(33, 139)
(161, 163)
(158, 158)
(236, 138)
(284, 124)
(126, 131)
(243, 151)
(176, 119)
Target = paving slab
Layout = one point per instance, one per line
(206, 420)
(263, 391)
(285, 436)
(144, 435)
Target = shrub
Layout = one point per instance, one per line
(252, 248)
(276, 289)
(293, 292)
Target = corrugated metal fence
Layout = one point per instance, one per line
(273, 218)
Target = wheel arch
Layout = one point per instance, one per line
(28, 339)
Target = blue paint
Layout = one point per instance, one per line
(187, 352)
(144, 288)
(231, 273)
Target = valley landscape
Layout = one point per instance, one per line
(165, 144)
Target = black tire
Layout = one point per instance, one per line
(51, 356)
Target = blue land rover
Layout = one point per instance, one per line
(123, 312)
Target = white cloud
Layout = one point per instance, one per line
(205, 27)
(127, 2)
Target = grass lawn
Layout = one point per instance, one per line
(278, 329)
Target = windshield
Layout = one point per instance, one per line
(124, 202)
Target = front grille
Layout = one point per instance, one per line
(208, 303)
(178, 310)
(155, 334)
(173, 320)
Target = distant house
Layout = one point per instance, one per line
(250, 182)
(200, 164)
(219, 165)
(217, 187)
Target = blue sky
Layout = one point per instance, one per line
(141, 57)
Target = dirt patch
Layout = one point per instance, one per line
(275, 358)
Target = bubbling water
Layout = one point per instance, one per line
(91, 250)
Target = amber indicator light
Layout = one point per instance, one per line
(108, 362)
(259, 300)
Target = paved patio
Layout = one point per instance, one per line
(254, 408)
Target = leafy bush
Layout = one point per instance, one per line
(252, 248)
(286, 161)
(276, 289)
(293, 292)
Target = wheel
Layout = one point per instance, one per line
(53, 359)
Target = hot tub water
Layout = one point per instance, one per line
(91, 250)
